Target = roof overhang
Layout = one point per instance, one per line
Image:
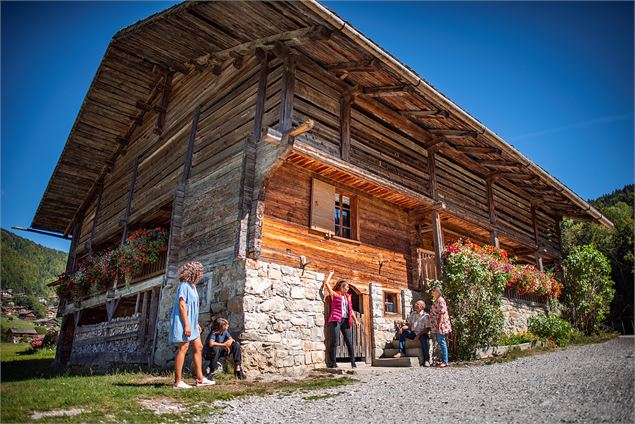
(135, 65)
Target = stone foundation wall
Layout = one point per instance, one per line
(220, 294)
(283, 319)
(517, 312)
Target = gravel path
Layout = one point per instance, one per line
(592, 383)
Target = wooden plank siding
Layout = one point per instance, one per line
(384, 234)
(226, 119)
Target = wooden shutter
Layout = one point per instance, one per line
(322, 207)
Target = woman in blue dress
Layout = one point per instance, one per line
(184, 327)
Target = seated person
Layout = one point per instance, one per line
(416, 327)
(220, 344)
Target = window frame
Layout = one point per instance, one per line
(352, 209)
(396, 303)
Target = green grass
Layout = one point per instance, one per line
(29, 385)
(22, 324)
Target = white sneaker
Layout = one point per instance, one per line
(205, 382)
(182, 385)
(426, 364)
(399, 355)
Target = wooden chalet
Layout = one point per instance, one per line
(275, 142)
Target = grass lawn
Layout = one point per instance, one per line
(30, 386)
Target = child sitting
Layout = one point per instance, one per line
(220, 344)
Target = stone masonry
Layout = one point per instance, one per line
(517, 313)
(284, 319)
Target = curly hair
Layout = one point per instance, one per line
(191, 272)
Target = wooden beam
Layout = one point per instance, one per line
(515, 176)
(393, 90)
(345, 127)
(432, 172)
(187, 165)
(247, 195)
(302, 128)
(370, 65)
(287, 94)
(437, 240)
(393, 118)
(453, 133)
(282, 40)
(165, 98)
(428, 114)
(477, 149)
(95, 218)
(133, 182)
(492, 213)
(557, 205)
(500, 163)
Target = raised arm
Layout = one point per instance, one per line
(327, 288)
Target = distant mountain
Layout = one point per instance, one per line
(27, 266)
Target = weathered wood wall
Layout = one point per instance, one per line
(225, 122)
(382, 254)
(381, 147)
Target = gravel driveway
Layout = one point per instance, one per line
(592, 383)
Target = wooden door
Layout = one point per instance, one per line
(360, 334)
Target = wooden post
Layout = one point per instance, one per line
(248, 176)
(534, 224)
(492, 213)
(187, 166)
(286, 98)
(144, 318)
(176, 219)
(437, 239)
(432, 172)
(165, 98)
(345, 127)
(133, 182)
(437, 230)
(100, 189)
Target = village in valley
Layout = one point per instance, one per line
(261, 200)
(11, 312)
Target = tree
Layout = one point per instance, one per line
(616, 244)
(588, 290)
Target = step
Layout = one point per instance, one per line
(394, 344)
(407, 361)
(414, 352)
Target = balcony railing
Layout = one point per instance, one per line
(510, 293)
(152, 270)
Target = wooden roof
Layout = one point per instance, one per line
(193, 35)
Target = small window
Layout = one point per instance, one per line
(391, 305)
(333, 212)
(343, 215)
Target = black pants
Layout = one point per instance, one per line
(347, 332)
(219, 352)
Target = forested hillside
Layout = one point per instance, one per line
(616, 245)
(27, 266)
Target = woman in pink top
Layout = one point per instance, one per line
(440, 323)
(341, 318)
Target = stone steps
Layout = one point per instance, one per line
(406, 361)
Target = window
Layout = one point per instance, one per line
(391, 303)
(333, 212)
(342, 215)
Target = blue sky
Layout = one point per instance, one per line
(553, 79)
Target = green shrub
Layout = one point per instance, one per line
(588, 290)
(473, 291)
(551, 327)
(514, 339)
